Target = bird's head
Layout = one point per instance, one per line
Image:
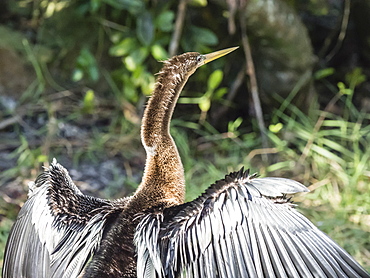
(190, 61)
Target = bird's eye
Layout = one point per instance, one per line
(200, 58)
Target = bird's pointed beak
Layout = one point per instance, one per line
(217, 54)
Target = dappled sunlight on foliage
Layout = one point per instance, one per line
(89, 66)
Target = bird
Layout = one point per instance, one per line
(241, 226)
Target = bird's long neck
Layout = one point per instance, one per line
(163, 183)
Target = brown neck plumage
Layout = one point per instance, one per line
(163, 183)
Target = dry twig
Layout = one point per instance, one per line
(250, 71)
(174, 44)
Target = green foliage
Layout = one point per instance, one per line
(86, 67)
(323, 73)
(145, 28)
(329, 151)
(165, 20)
(5, 226)
(136, 49)
(212, 94)
(133, 7)
(137, 31)
(355, 77)
(88, 104)
(275, 128)
(27, 158)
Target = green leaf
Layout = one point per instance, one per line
(204, 36)
(137, 75)
(355, 77)
(219, 93)
(189, 100)
(327, 154)
(204, 104)
(77, 75)
(320, 74)
(147, 86)
(129, 90)
(86, 65)
(215, 79)
(85, 58)
(88, 102)
(145, 28)
(129, 63)
(95, 5)
(198, 3)
(343, 90)
(233, 126)
(165, 21)
(124, 47)
(41, 158)
(276, 128)
(281, 165)
(133, 6)
(336, 147)
(136, 58)
(159, 53)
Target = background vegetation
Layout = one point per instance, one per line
(75, 75)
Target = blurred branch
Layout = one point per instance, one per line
(250, 71)
(10, 121)
(174, 44)
(113, 25)
(236, 84)
(231, 95)
(341, 36)
(233, 7)
(262, 152)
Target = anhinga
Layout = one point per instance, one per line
(242, 226)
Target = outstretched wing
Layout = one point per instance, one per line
(57, 229)
(241, 227)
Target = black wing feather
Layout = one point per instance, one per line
(241, 227)
(57, 229)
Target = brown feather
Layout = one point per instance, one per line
(163, 183)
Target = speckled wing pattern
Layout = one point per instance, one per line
(241, 227)
(57, 229)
